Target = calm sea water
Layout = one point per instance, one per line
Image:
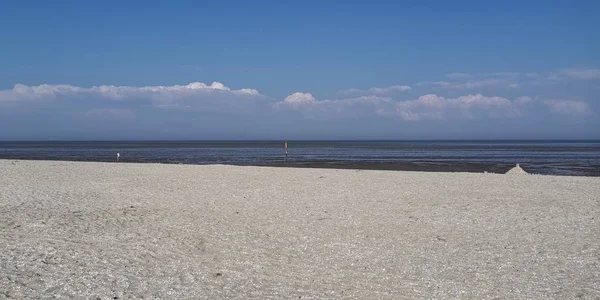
(543, 157)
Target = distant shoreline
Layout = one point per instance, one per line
(483, 141)
(548, 157)
(500, 168)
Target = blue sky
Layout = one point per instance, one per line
(299, 69)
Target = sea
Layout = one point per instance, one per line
(551, 157)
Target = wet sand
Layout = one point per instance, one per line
(500, 168)
(88, 230)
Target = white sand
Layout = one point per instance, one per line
(105, 230)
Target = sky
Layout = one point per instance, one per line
(194, 70)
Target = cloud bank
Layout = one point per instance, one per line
(199, 105)
(47, 92)
(430, 107)
(512, 80)
(379, 91)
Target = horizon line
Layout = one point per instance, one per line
(304, 140)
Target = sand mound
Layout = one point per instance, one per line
(517, 170)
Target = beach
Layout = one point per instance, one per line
(92, 230)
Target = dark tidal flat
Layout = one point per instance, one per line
(574, 158)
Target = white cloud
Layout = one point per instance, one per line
(434, 83)
(506, 75)
(216, 98)
(301, 98)
(390, 89)
(490, 82)
(306, 104)
(567, 107)
(470, 106)
(582, 73)
(523, 100)
(22, 92)
(35, 93)
(473, 84)
(378, 91)
(196, 96)
(427, 107)
(296, 100)
(511, 80)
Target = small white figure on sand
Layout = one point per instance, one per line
(118, 156)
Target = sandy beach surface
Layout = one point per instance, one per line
(130, 231)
